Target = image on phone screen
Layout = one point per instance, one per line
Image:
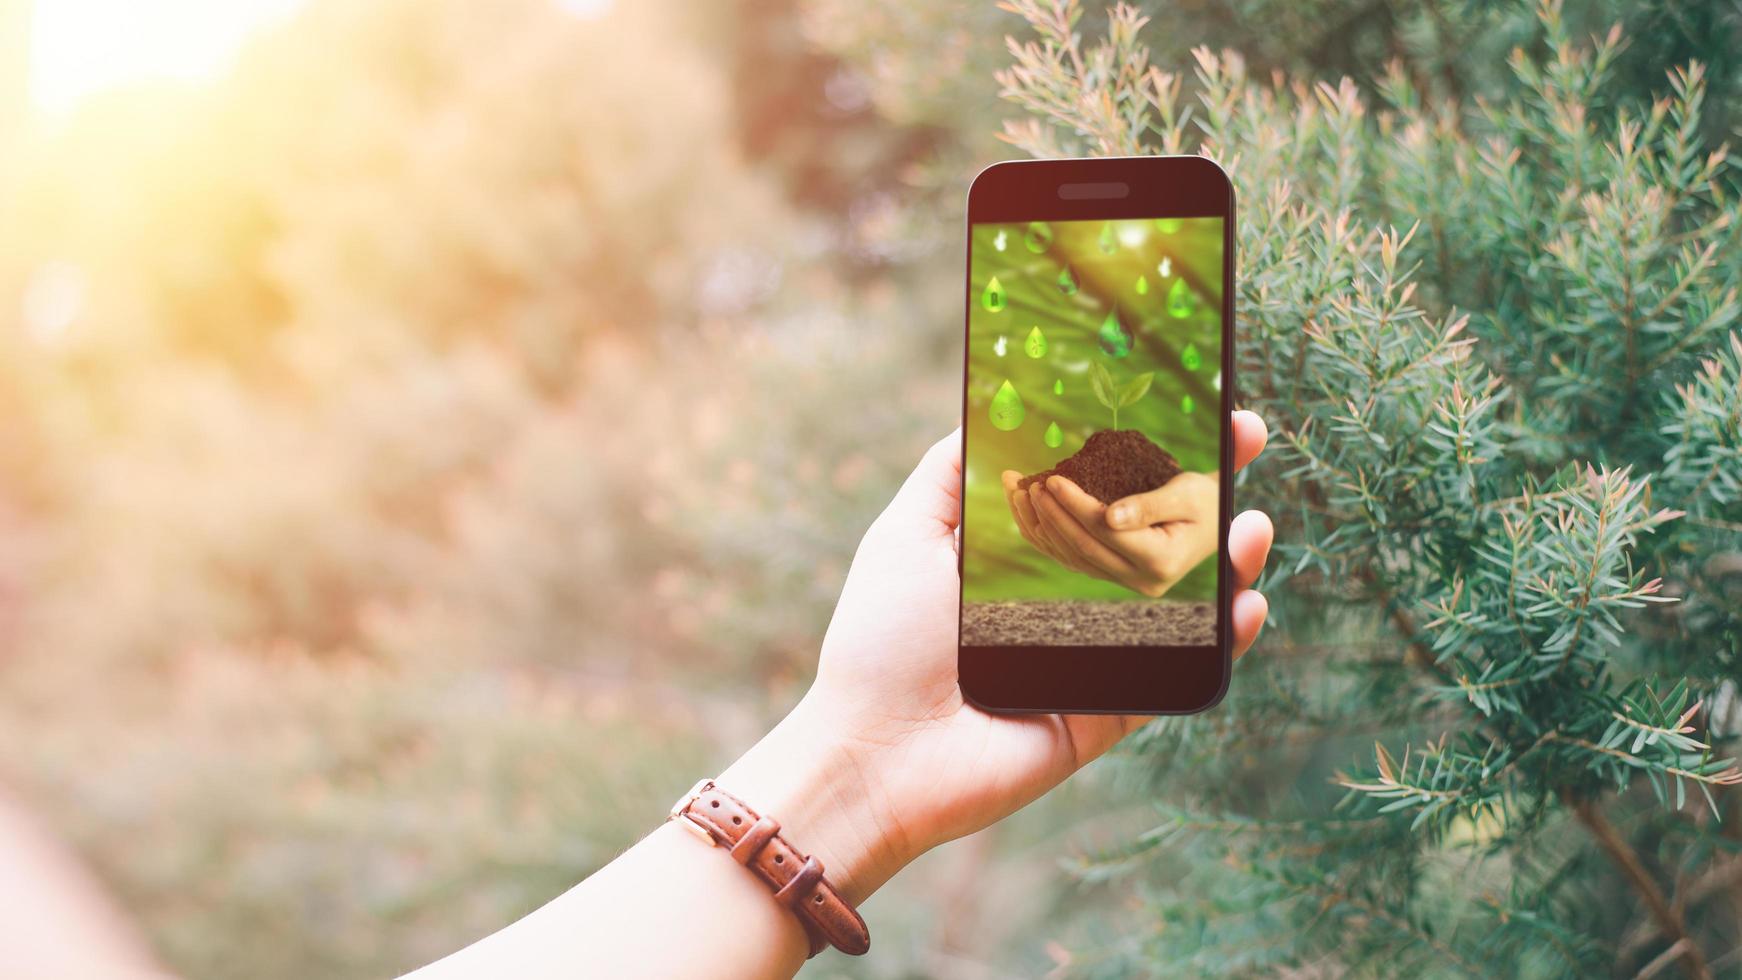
(1093, 368)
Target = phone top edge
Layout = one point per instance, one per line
(1178, 185)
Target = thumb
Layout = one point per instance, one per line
(1167, 502)
(933, 491)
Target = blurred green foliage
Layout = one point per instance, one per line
(1495, 734)
(1103, 280)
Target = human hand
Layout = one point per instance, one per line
(883, 759)
(1146, 542)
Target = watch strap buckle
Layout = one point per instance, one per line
(679, 812)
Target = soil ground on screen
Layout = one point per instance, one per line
(1084, 622)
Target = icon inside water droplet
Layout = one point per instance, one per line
(1186, 405)
(993, 298)
(1190, 359)
(1007, 409)
(1039, 237)
(1068, 281)
(1058, 386)
(1000, 345)
(1054, 436)
(1114, 337)
(1182, 300)
(1035, 345)
(1168, 226)
(1000, 240)
(1142, 285)
(1109, 241)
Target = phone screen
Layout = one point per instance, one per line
(1094, 354)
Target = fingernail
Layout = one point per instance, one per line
(1121, 515)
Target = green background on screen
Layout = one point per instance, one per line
(998, 565)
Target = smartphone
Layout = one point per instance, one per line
(1099, 369)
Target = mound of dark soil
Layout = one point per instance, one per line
(1115, 463)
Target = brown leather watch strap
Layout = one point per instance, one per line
(722, 820)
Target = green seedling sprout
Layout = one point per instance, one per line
(1116, 396)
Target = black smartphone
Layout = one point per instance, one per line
(1098, 387)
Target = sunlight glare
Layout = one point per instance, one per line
(586, 9)
(80, 47)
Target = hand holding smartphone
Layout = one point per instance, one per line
(1098, 387)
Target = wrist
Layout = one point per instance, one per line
(828, 804)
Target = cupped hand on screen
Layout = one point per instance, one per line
(928, 767)
(1146, 542)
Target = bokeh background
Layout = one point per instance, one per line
(433, 433)
(1162, 283)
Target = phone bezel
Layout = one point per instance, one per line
(1095, 679)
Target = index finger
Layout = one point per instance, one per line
(1250, 435)
(1023, 511)
(1080, 505)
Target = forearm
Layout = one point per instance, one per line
(664, 908)
(58, 921)
(672, 906)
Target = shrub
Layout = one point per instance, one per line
(1496, 345)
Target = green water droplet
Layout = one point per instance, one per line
(1058, 387)
(1068, 281)
(1109, 241)
(998, 346)
(1143, 285)
(993, 298)
(1186, 404)
(1035, 345)
(1054, 436)
(1182, 300)
(1039, 237)
(1190, 359)
(1168, 226)
(1000, 240)
(1115, 339)
(1007, 409)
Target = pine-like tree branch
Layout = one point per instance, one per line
(1719, 878)
(1662, 960)
(1626, 859)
